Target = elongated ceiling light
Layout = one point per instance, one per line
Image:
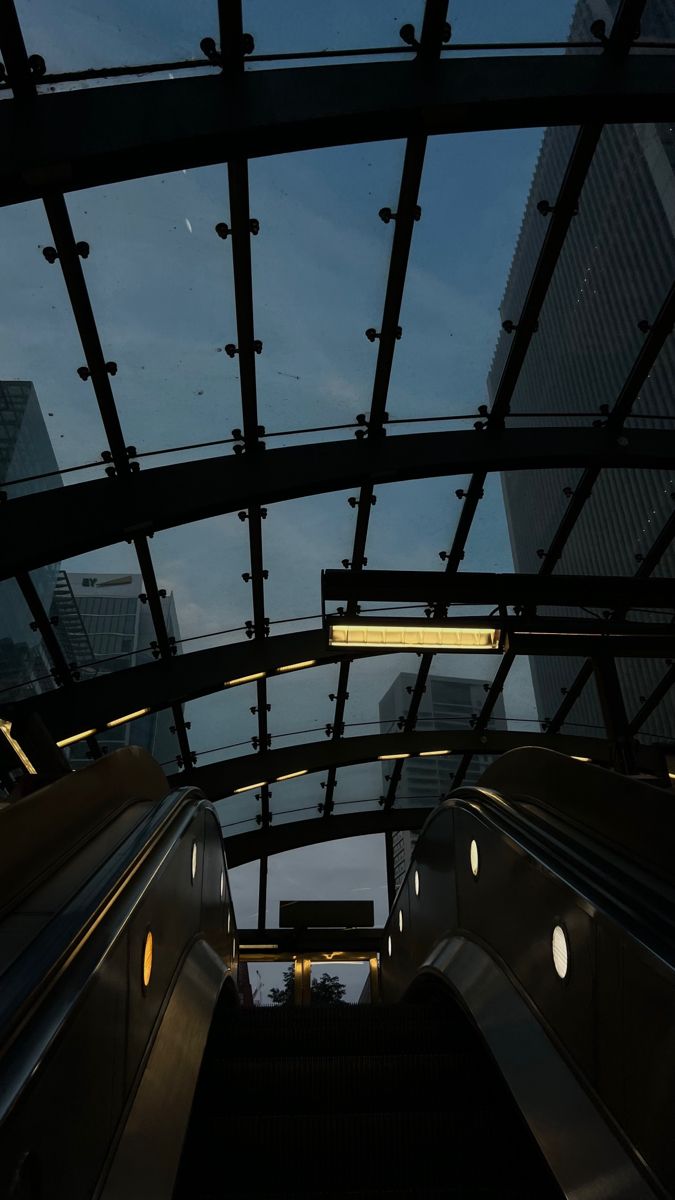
(244, 679)
(250, 787)
(299, 666)
(400, 636)
(132, 716)
(6, 728)
(76, 737)
(292, 775)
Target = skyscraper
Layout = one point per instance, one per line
(448, 703)
(614, 272)
(25, 452)
(107, 611)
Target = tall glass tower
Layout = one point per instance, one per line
(25, 452)
(108, 610)
(615, 270)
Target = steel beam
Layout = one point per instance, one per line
(54, 525)
(407, 212)
(648, 564)
(258, 844)
(221, 779)
(484, 588)
(624, 29)
(65, 141)
(652, 702)
(161, 684)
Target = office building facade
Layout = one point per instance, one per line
(449, 702)
(107, 610)
(614, 272)
(25, 452)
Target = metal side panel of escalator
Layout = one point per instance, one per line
(116, 948)
(543, 900)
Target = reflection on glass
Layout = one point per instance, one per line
(41, 348)
(526, 20)
(72, 36)
(319, 276)
(302, 25)
(473, 191)
(159, 278)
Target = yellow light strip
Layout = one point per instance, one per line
(244, 679)
(431, 753)
(6, 727)
(76, 737)
(579, 758)
(671, 774)
(258, 946)
(412, 637)
(140, 712)
(386, 757)
(292, 775)
(311, 662)
(250, 787)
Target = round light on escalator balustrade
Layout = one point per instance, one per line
(400, 920)
(473, 858)
(147, 959)
(560, 951)
(222, 884)
(193, 862)
(417, 883)
(389, 946)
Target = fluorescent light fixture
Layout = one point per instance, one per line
(291, 775)
(580, 758)
(432, 753)
(140, 712)
(244, 679)
(390, 636)
(6, 727)
(250, 787)
(76, 737)
(671, 774)
(310, 662)
(386, 757)
(258, 946)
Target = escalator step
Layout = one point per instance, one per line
(374, 1149)
(348, 1029)
(357, 1082)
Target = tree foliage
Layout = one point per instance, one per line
(326, 990)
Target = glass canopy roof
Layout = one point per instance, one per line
(406, 307)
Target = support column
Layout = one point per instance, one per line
(614, 712)
(262, 894)
(389, 852)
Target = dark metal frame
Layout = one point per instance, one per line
(154, 126)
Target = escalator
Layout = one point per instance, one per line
(357, 1101)
(524, 1047)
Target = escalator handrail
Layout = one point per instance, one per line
(641, 902)
(108, 898)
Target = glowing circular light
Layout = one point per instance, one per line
(473, 857)
(222, 884)
(417, 883)
(560, 950)
(193, 865)
(389, 946)
(400, 920)
(147, 959)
